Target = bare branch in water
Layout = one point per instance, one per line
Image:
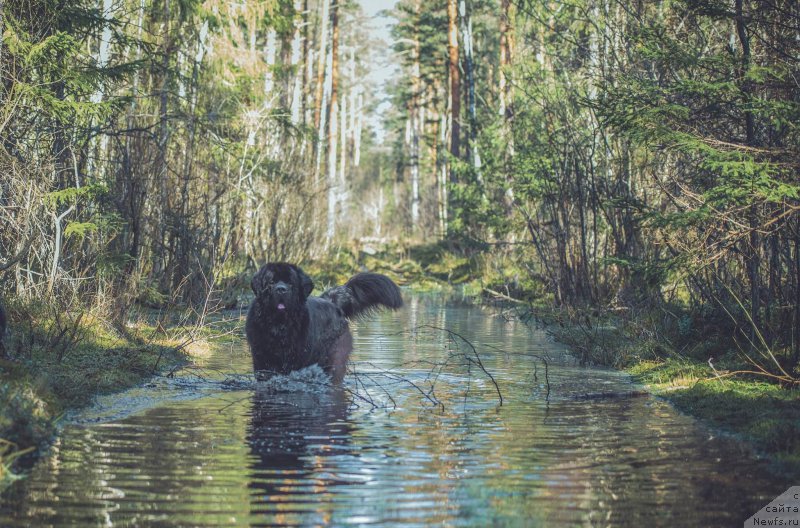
(535, 369)
(476, 360)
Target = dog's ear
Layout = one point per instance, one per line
(306, 284)
(259, 282)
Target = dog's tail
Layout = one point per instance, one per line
(365, 293)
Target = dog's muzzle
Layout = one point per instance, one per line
(281, 291)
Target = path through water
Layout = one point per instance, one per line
(212, 450)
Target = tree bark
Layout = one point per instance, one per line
(455, 82)
(298, 71)
(506, 57)
(414, 118)
(333, 108)
(469, 70)
(307, 63)
(269, 59)
(321, 62)
(754, 242)
(162, 173)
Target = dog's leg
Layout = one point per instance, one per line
(338, 356)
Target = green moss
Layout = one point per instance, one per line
(669, 373)
(451, 268)
(473, 289)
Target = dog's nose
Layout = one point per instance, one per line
(281, 288)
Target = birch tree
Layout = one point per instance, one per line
(333, 115)
(469, 69)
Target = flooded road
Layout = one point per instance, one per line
(417, 437)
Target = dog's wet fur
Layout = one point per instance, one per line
(287, 329)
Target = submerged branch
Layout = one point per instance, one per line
(477, 358)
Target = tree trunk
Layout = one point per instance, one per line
(321, 99)
(333, 109)
(319, 145)
(298, 71)
(321, 62)
(441, 177)
(100, 144)
(353, 102)
(469, 70)
(344, 111)
(162, 173)
(184, 235)
(754, 242)
(307, 63)
(359, 127)
(506, 57)
(269, 59)
(414, 117)
(455, 82)
(506, 105)
(286, 59)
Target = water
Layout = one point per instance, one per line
(416, 437)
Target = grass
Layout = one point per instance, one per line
(61, 360)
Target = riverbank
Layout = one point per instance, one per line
(696, 365)
(688, 358)
(763, 414)
(59, 362)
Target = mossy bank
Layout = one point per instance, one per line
(55, 361)
(702, 372)
(764, 414)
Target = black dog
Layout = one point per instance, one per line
(288, 330)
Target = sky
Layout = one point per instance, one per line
(385, 70)
(372, 7)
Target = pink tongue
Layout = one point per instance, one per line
(281, 307)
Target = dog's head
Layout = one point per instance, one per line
(280, 287)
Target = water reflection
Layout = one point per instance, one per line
(290, 435)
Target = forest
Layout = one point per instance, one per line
(605, 158)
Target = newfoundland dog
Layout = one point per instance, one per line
(288, 330)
